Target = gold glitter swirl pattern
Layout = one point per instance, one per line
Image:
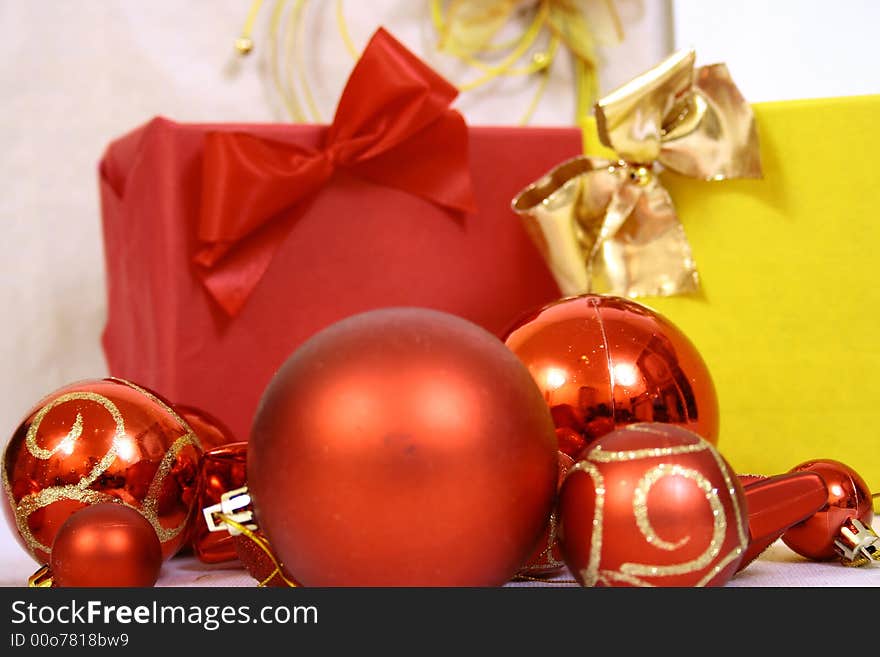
(151, 501)
(598, 455)
(590, 574)
(640, 508)
(44, 454)
(633, 573)
(546, 555)
(80, 491)
(65, 444)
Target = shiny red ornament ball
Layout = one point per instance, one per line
(106, 544)
(604, 362)
(402, 447)
(652, 505)
(95, 441)
(848, 497)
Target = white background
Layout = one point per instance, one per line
(75, 75)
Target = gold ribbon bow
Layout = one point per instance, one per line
(469, 30)
(608, 226)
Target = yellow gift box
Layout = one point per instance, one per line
(787, 314)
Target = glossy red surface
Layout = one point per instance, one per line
(847, 496)
(777, 503)
(222, 469)
(604, 362)
(100, 441)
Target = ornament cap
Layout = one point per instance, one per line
(234, 505)
(858, 544)
(42, 579)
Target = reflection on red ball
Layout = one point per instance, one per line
(652, 505)
(402, 447)
(848, 497)
(604, 362)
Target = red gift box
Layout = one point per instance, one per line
(229, 245)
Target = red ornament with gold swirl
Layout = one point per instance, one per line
(95, 441)
(652, 505)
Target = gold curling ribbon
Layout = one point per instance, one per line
(609, 226)
(467, 29)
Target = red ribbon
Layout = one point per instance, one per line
(393, 126)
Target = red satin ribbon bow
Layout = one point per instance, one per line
(393, 126)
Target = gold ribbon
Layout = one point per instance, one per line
(468, 30)
(609, 226)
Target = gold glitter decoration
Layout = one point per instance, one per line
(610, 576)
(598, 455)
(630, 573)
(719, 524)
(76, 432)
(152, 499)
(80, 491)
(590, 574)
(550, 562)
(640, 510)
(65, 443)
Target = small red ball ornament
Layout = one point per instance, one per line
(98, 441)
(848, 498)
(402, 447)
(652, 505)
(106, 544)
(604, 362)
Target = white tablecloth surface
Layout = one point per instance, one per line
(776, 567)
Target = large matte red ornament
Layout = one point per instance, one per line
(402, 447)
(106, 544)
(848, 497)
(100, 441)
(652, 505)
(604, 362)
